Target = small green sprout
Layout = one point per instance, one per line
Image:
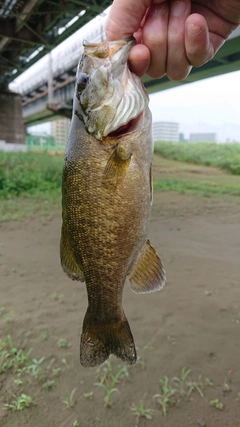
(69, 401)
(48, 385)
(57, 297)
(142, 356)
(181, 382)
(216, 404)
(44, 336)
(19, 403)
(141, 412)
(62, 343)
(88, 395)
(167, 396)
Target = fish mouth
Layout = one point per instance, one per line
(128, 127)
(111, 97)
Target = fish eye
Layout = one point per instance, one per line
(82, 79)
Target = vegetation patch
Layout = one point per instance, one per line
(224, 156)
(29, 173)
(190, 187)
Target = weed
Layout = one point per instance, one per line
(181, 382)
(48, 385)
(104, 371)
(18, 382)
(207, 293)
(2, 309)
(141, 355)
(195, 386)
(226, 387)
(107, 372)
(75, 423)
(141, 412)
(109, 389)
(109, 375)
(69, 401)
(216, 404)
(64, 361)
(44, 336)
(35, 368)
(88, 395)
(57, 297)
(19, 403)
(11, 357)
(167, 396)
(171, 340)
(208, 382)
(56, 371)
(62, 343)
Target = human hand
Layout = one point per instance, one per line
(172, 36)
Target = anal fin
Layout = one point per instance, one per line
(147, 274)
(69, 264)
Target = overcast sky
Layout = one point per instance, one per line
(208, 105)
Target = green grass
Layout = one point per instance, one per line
(224, 156)
(191, 187)
(29, 173)
(30, 183)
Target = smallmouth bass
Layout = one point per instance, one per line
(106, 198)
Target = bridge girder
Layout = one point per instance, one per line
(31, 28)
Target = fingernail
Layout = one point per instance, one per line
(194, 30)
(178, 8)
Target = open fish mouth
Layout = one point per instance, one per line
(130, 126)
(112, 97)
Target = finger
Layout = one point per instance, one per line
(178, 66)
(202, 43)
(124, 18)
(139, 59)
(198, 47)
(154, 36)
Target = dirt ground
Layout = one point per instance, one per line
(194, 322)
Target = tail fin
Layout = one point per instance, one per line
(98, 341)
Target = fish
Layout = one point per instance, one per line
(107, 197)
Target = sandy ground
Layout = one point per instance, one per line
(194, 322)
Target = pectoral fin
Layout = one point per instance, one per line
(69, 264)
(147, 274)
(117, 165)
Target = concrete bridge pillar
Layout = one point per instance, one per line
(11, 121)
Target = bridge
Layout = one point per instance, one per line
(31, 28)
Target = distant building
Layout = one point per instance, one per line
(182, 137)
(203, 137)
(60, 129)
(165, 131)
